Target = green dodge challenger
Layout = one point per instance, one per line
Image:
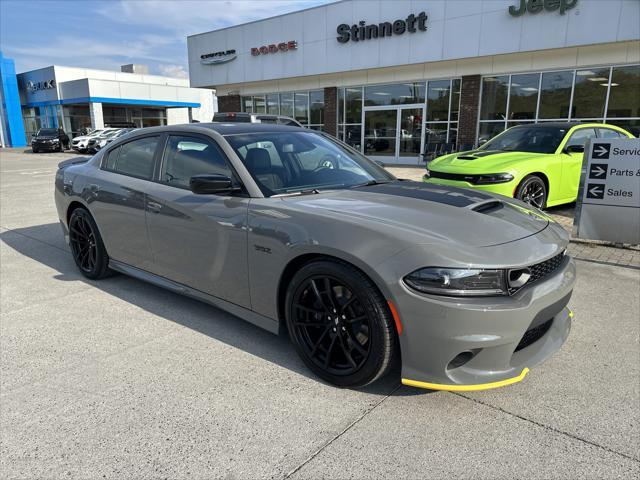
(539, 164)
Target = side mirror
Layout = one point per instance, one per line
(213, 183)
(574, 149)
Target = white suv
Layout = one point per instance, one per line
(80, 144)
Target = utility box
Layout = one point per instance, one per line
(608, 204)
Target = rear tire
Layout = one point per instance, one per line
(533, 190)
(340, 324)
(86, 245)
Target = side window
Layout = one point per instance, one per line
(608, 133)
(185, 157)
(134, 158)
(580, 137)
(112, 158)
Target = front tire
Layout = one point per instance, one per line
(532, 190)
(339, 323)
(86, 245)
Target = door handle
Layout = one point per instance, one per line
(154, 207)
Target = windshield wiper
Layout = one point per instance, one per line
(370, 183)
(311, 191)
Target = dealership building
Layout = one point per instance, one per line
(78, 99)
(399, 78)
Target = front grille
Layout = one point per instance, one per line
(534, 334)
(546, 268)
(541, 270)
(452, 176)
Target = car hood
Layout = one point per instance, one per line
(424, 213)
(485, 161)
(45, 137)
(82, 137)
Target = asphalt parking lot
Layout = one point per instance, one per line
(121, 379)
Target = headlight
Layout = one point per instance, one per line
(458, 281)
(102, 143)
(493, 178)
(54, 140)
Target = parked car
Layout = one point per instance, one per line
(50, 140)
(107, 140)
(295, 231)
(539, 164)
(100, 141)
(243, 117)
(80, 143)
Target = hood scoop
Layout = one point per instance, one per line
(489, 206)
(473, 155)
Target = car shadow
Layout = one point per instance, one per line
(48, 248)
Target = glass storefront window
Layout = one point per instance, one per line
(394, 94)
(259, 104)
(555, 96)
(590, 93)
(488, 130)
(302, 107)
(273, 104)
(455, 99)
(624, 97)
(340, 105)
(494, 98)
(380, 133)
(353, 105)
(316, 106)
(286, 104)
(523, 96)
(352, 135)
(435, 136)
(438, 98)
(247, 104)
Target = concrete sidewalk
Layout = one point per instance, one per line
(121, 379)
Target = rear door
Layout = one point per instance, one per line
(118, 200)
(198, 240)
(572, 163)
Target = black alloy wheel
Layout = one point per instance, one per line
(86, 245)
(339, 323)
(533, 191)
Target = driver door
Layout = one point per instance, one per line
(572, 164)
(198, 240)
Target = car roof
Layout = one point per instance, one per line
(566, 125)
(236, 128)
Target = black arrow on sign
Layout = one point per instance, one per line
(601, 150)
(598, 171)
(595, 190)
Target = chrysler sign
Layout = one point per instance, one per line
(217, 58)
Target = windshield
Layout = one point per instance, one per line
(47, 132)
(96, 133)
(289, 162)
(527, 139)
(111, 134)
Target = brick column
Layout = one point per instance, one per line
(469, 105)
(229, 103)
(331, 110)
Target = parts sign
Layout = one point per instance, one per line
(609, 198)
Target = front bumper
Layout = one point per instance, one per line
(507, 188)
(52, 147)
(454, 343)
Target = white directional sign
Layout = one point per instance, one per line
(608, 205)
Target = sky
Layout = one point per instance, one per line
(109, 33)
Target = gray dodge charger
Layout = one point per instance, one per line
(295, 231)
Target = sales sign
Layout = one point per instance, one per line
(608, 205)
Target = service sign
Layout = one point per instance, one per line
(609, 198)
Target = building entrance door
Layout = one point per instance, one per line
(394, 134)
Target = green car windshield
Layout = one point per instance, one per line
(527, 139)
